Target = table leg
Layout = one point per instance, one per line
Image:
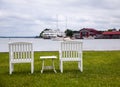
(53, 65)
(42, 66)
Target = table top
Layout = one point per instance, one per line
(48, 57)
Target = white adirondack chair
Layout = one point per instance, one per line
(20, 52)
(71, 51)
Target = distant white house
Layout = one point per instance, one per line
(53, 33)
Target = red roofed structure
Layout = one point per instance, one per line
(86, 32)
(111, 34)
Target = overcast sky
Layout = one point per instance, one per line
(30, 17)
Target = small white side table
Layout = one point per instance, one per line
(48, 67)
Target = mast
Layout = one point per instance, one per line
(66, 22)
(57, 22)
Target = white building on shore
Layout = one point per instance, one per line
(52, 34)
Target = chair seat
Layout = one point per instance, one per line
(70, 59)
(20, 60)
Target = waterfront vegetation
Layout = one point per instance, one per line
(101, 69)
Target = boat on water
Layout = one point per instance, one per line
(90, 37)
(61, 39)
(57, 39)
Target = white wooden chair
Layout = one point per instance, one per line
(71, 51)
(20, 52)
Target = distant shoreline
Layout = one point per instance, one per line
(18, 37)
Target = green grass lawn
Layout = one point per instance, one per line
(101, 69)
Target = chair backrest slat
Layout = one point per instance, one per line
(71, 49)
(21, 50)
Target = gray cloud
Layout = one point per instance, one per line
(23, 17)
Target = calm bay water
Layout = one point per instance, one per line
(49, 45)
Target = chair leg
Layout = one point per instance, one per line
(61, 66)
(11, 68)
(32, 67)
(80, 66)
